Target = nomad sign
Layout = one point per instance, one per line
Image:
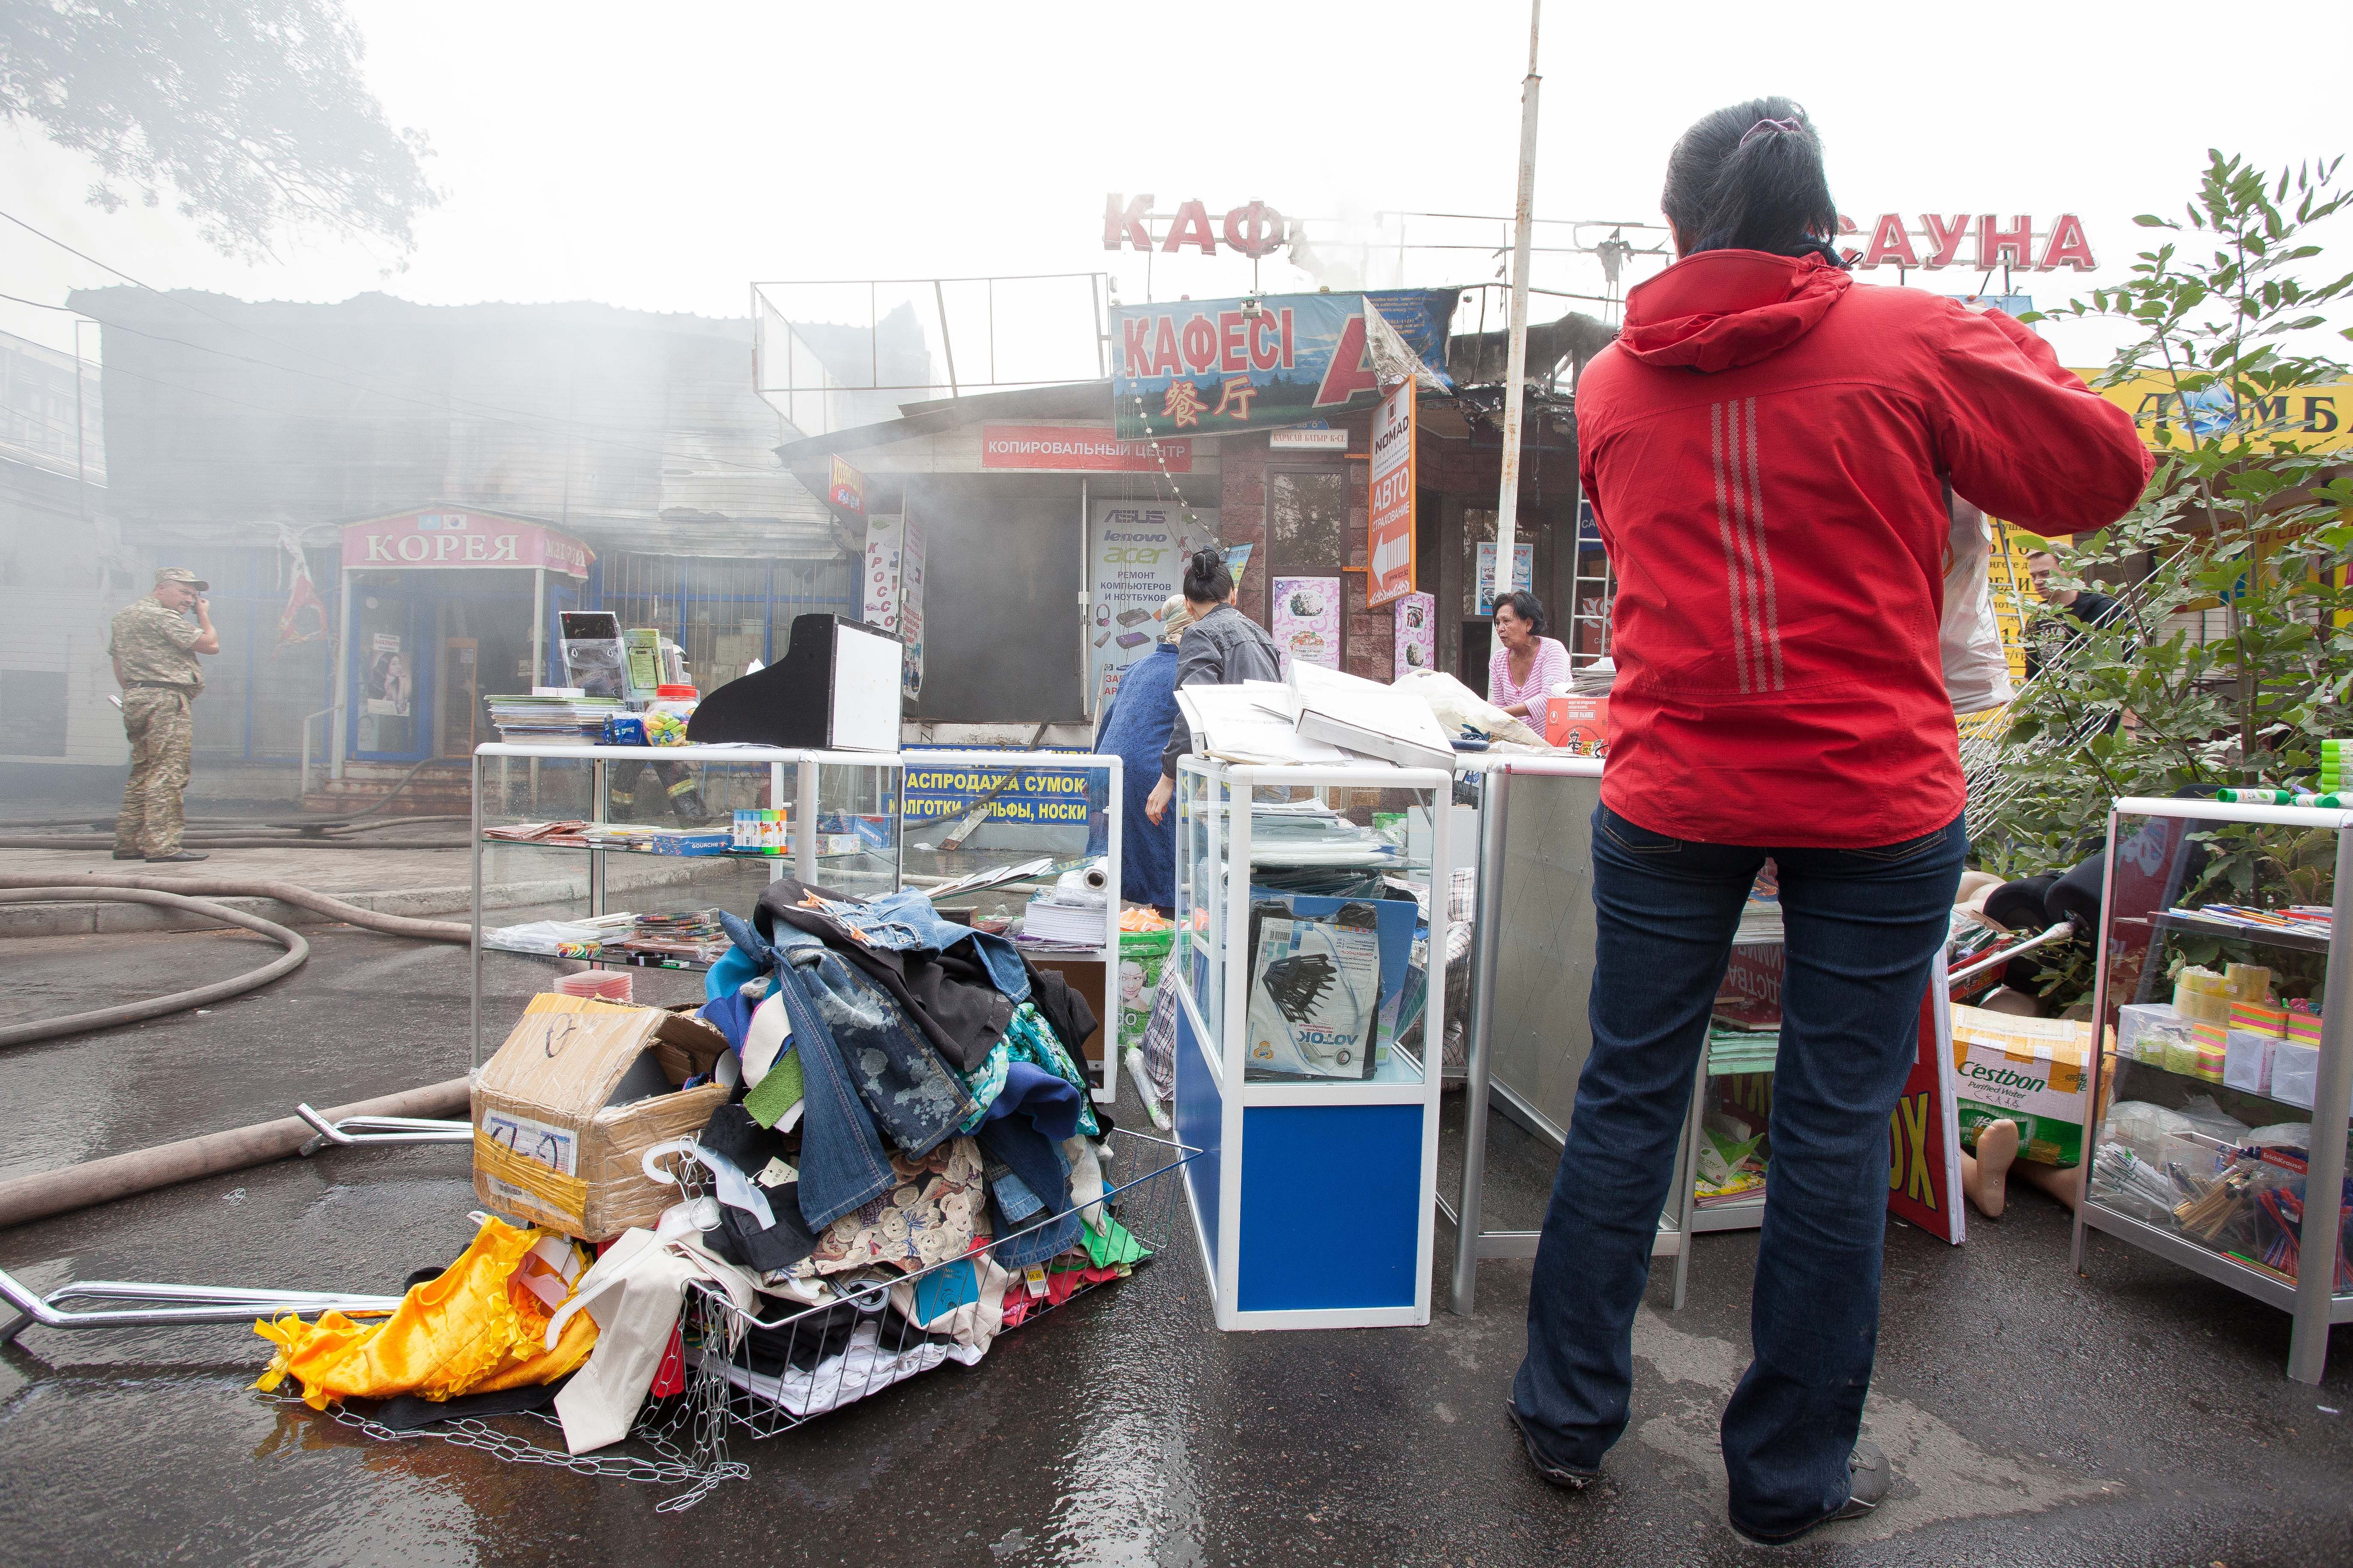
(1081, 448)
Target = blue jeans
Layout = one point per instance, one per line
(905, 922)
(909, 1095)
(1863, 930)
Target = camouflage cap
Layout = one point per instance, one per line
(180, 574)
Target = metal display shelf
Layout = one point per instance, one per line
(2143, 877)
(1093, 971)
(803, 792)
(2231, 930)
(1486, 1086)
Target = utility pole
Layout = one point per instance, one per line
(1507, 502)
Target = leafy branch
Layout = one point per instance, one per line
(253, 113)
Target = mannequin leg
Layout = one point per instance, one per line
(2065, 1184)
(1984, 1176)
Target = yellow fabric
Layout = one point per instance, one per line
(468, 1331)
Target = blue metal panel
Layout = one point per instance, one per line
(1200, 1124)
(1331, 1207)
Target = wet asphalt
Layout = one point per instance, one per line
(2136, 1415)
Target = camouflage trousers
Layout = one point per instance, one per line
(162, 736)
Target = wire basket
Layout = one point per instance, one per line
(770, 1376)
(852, 1346)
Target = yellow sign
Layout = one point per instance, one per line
(2313, 418)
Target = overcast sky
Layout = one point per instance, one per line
(662, 158)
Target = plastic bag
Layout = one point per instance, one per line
(2141, 1127)
(1977, 670)
(1457, 705)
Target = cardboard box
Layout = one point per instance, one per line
(2031, 1070)
(579, 1090)
(1579, 723)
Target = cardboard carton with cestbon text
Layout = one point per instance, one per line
(2031, 1070)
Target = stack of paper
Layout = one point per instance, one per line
(1309, 833)
(1064, 917)
(537, 721)
(1366, 717)
(1239, 724)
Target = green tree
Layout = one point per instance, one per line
(252, 112)
(2235, 656)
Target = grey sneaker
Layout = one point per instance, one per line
(1557, 1475)
(1868, 1480)
(176, 857)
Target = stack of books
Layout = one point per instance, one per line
(658, 841)
(545, 720)
(691, 936)
(1732, 1051)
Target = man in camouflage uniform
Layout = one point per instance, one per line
(154, 652)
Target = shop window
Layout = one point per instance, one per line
(1307, 538)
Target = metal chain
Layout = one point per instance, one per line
(699, 1467)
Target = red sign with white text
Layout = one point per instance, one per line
(1078, 448)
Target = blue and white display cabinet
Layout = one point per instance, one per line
(1312, 1095)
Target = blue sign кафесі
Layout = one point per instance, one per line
(1204, 368)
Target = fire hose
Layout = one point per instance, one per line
(25, 1198)
(181, 893)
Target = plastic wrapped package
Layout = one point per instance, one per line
(2134, 1186)
(2145, 1028)
(2141, 1127)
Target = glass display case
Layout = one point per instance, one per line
(1056, 817)
(2219, 1098)
(618, 857)
(1305, 995)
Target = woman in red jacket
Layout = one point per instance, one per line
(1768, 447)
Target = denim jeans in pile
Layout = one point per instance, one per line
(905, 922)
(866, 1069)
(1863, 930)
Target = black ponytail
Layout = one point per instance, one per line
(1206, 581)
(1751, 177)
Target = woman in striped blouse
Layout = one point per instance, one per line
(1527, 664)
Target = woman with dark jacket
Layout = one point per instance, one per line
(1768, 447)
(1135, 728)
(1222, 648)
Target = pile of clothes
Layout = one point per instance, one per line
(908, 1163)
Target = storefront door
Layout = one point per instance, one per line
(1306, 535)
(392, 666)
(459, 705)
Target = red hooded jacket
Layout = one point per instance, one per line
(1766, 447)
